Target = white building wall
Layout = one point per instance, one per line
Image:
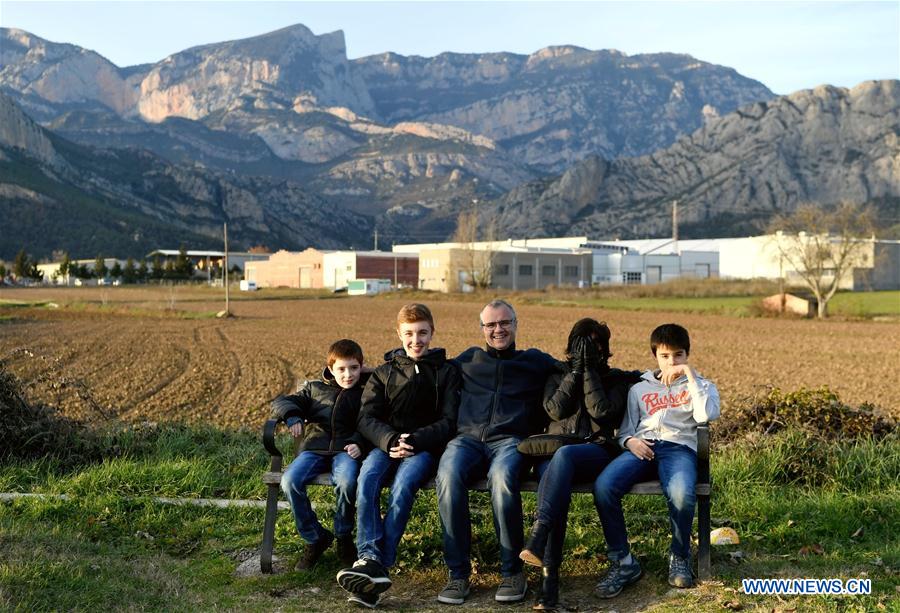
(748, 258)
(700, 264)
(338, 267)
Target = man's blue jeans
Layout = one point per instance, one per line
(676, 468)
(377, 539)
(569, 465)
(301, 472)
(464, 461)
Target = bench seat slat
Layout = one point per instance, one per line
(648, 487)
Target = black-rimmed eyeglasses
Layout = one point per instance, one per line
(505, 324)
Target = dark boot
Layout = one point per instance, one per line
(313, 551)
(534, 549)
(548, 597)
(346, 550)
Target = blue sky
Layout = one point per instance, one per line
(786, 45)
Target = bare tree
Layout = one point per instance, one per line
(824, 246)
(477, 261)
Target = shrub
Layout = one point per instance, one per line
(819, 413)
(39, 431)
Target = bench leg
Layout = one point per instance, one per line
(703, 528)
(268, 541)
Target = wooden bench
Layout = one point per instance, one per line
(272, 479)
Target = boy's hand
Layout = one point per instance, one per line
(297, 429)
(353, 450)
(403, 449)
(670, 375)
(643, 450)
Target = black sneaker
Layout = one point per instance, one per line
(346, 549)
(370, 601)
(313, 551)
(364, 577)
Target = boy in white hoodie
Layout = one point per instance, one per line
(659, 432)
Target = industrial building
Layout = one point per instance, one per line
(333, 269)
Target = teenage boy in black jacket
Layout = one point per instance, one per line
(323, 415)
(408, 413)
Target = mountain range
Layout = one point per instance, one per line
(298, 145)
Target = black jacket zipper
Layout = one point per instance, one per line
(498, 382)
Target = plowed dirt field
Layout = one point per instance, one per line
(143, 362)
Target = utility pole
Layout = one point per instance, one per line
(675, 225)
(376, 239)
(227, 311)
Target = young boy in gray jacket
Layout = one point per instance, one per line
(659, 431)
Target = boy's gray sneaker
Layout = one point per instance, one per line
(680, 574)
(617, 578)
(512, 589)
(455, 592)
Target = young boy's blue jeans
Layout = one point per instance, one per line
(301, 472)
(676, 468)
(464, 460)
(377, 538)
(569, 465)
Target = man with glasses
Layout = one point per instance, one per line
(500, 405)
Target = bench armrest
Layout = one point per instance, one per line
(703, 453)
(268, 441)
(268, 437)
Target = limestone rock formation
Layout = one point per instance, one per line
(560, 104)
(46, 77)
(273, 68)
(824, 145)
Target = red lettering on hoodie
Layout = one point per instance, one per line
(654, 401)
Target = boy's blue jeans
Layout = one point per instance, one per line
(377, 539)
(676, 468)
(301, 472)
(569, 465)
(464, 461)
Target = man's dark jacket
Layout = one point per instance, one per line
(329, 412)
(418, 397)
(502, 392)
(587, 404)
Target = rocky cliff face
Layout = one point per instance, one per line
(824, 145)
(47, 78)
(560, 104)
(273, 70)
(405, 142)
(19, 132)
(544, 111)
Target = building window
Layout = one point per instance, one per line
(548, 271)
(501, 270)
(631, 278)
(526, 270)
(570, 271)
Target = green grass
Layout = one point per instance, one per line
(866, 304)
(19, 304)
(110, 543)
(723, 305)
(845, 304)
